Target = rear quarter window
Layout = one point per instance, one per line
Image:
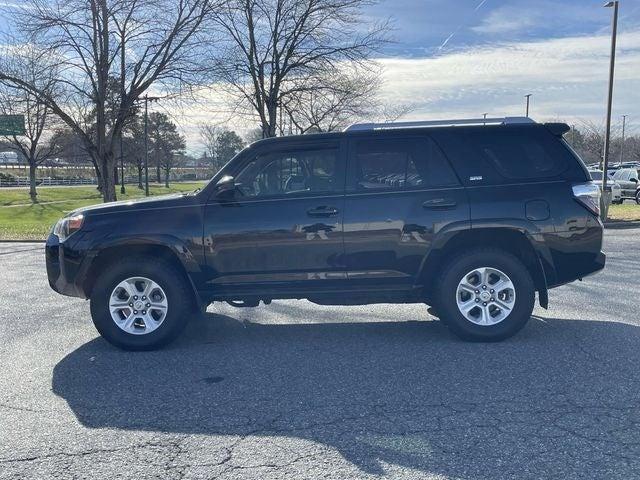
(519, 154)
(508, 154)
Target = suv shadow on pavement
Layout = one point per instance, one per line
(559, 400)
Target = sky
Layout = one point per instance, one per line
(469, 57)
(462, 58)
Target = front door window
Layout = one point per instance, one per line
(290, 173)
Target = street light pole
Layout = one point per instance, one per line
(607, 133)
(624, 121)
(146, 145)
(484, 117)
(122, 94)
(147, 99)
(527, 96)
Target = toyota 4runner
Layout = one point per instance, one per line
(472, 217)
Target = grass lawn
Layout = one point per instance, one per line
(628, 211)
(22, 220)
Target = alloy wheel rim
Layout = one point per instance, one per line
(485, 296)
(138, 305)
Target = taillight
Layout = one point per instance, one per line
(588, 195)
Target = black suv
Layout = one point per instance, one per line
(471, 217)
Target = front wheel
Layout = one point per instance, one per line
(140, 303)
(637, 197)
(485, 295)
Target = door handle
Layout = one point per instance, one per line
(436, 203)
(322, 211)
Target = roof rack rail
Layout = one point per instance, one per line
(438, 123)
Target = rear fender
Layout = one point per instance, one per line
(447, 242)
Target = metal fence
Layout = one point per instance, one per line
(47, 181)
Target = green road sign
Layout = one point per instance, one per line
(12, 125)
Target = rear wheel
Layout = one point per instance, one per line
(141, 303)
(637, 197)
(485, 295)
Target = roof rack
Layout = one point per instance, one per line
(438, 123)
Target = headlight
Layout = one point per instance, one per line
(67, 226)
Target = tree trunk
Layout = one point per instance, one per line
(108, 184)
(158, 176)
(140, 169)
(166, 177)
(32, 181)
(97, 171)
(270, 130)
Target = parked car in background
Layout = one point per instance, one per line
(472, 217)
(616, 190)
(628, 180)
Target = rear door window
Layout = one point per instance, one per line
(399, 164)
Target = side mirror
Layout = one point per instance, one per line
(225, 185)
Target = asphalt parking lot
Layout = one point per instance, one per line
(295, 390)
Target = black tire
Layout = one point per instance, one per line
(618, 202)
(500, 260)
(637, 197)
(178, 295)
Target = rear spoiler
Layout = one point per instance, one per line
(558, 129)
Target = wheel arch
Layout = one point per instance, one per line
(512, 240)
(174, 252)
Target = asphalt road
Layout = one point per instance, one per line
(294, 390)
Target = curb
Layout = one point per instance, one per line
(622, 225)
(22, 241)
(612, 225)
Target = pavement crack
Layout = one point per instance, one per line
(83, 453)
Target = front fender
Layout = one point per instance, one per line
(180, 248)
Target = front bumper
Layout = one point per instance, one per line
(67, 266)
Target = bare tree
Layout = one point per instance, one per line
(392, 112)
(164, 42)
(330, 103)
(632, 146)
(590, 142)
(253, 135)
(209, 134)
(33, 145)
(277, 49)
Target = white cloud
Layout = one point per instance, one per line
(567, 77)
(506, 20)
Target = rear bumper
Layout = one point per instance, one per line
(594, 266)
(575, 254)
(66, 267)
